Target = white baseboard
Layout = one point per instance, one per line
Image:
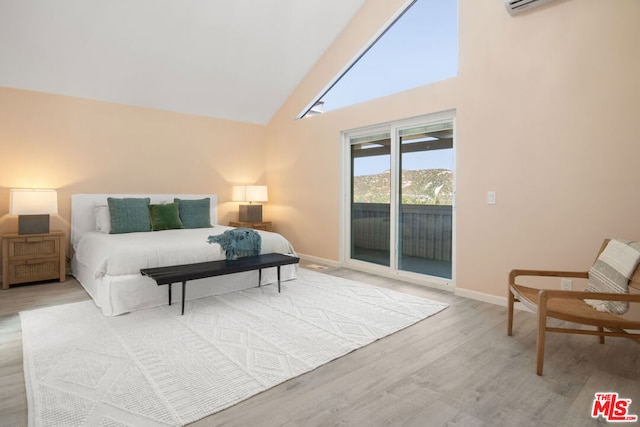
(318, 260)
(492, 299)
(480, 296)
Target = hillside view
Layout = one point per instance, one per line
(419, 187)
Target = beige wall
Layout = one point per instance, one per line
(546, 120)
(82, 146)
(547, 104)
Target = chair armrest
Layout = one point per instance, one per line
(547, 294)
(546, 273)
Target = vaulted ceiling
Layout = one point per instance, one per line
(230, 59)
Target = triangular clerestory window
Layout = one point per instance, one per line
(419, 47)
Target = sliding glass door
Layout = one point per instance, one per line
(426, 199)
(401, 194)
(370, 198)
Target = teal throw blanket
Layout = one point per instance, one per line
(239, 242)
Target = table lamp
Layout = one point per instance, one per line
(33, 208)
(250, 193)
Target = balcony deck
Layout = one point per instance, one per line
(425, 237)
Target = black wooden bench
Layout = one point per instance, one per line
(185, 272)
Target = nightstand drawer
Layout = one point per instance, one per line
(34, 246)
(33, 270)
(262, 225)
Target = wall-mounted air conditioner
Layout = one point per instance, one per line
(515, 7)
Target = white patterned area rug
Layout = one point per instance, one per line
(155, 367)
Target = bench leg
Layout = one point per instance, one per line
(278, 279)
(170, 293)
(184, 289)
(259, 277)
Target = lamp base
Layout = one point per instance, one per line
(250, 213)
(33, 224)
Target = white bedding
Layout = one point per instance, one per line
(108, 265)
(120, 254)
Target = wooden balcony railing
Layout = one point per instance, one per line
(426, 230)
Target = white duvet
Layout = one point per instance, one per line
(122, 254)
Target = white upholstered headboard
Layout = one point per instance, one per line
(83, 217)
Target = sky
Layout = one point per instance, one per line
(420, 48)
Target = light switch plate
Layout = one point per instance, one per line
(491, 197)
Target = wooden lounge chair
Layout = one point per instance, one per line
(570, 306)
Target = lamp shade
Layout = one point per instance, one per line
(33, 202)
(249, 193)
(257, 193)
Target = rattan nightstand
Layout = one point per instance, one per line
(32, 258)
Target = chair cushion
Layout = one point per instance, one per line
(611, 272)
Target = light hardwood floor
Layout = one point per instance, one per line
(455, 368)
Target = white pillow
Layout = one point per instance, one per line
(103, 220)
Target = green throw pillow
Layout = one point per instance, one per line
(195, 213)
(128, 215)
(164, 217)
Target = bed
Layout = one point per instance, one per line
(108, 265)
